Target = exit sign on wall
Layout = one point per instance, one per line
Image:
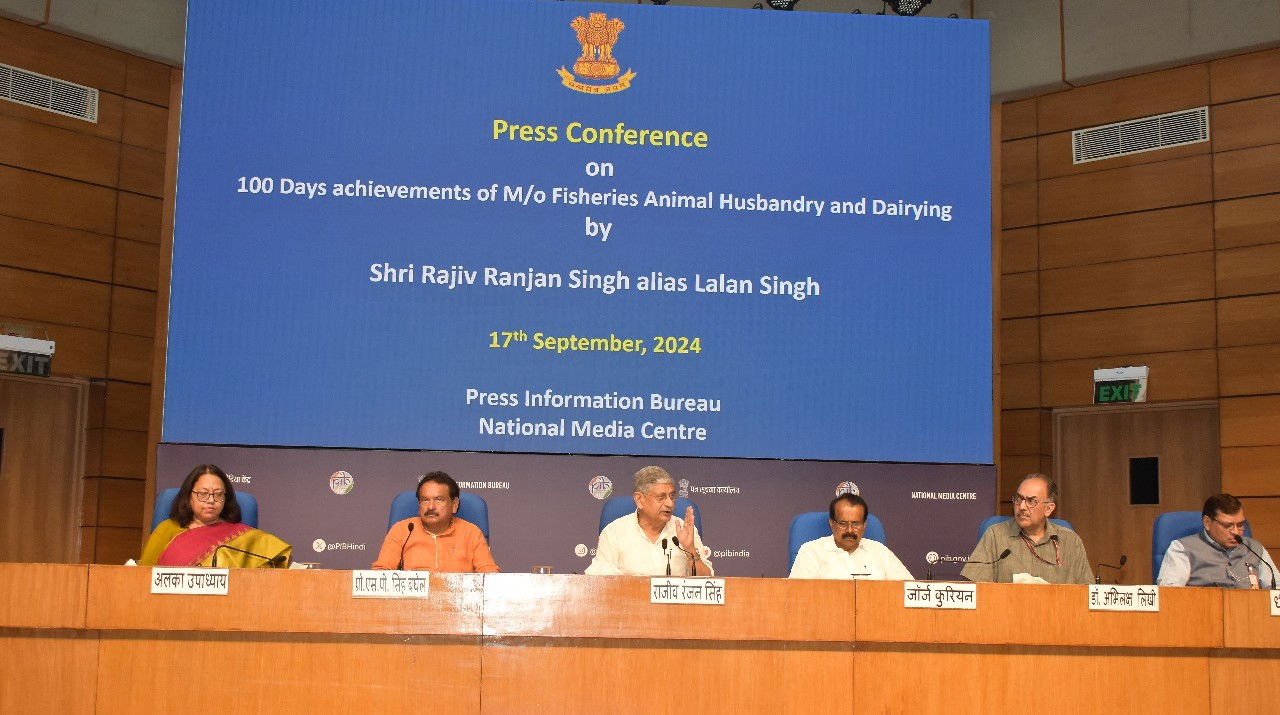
(1120, 384)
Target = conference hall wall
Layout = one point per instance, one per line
(1169, 259)
(540, 245)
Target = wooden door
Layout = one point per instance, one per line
(1092, 460)
(41, 468)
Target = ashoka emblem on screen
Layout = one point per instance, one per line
(597, 34)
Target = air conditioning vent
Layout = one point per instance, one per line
(1135, 136)
(47, 93)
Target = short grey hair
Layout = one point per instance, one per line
(651, 475)
(1050, 486)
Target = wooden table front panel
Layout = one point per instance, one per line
(43, 595)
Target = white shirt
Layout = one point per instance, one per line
(625, 550)
(823, 558)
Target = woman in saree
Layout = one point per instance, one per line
(204, 529)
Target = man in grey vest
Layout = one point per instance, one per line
(1220, 554)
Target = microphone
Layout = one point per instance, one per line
(272, 561)
(1098, 578)
(1255, 553)
(994, 562)
(676, 540)
(400, 566)
(667, 551)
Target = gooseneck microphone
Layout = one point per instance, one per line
(667, 551)
(994, 562)
(272, 561)
(1098, 577)
(1262, 560)
(400, 565)
(692, 560)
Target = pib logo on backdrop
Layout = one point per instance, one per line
(597, 34)
(341, 483)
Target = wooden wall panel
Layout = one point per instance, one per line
(1251, 471)
(124, 453)
(141, 171)
(1146, 281)
(1020, 340)
(1126, 98)
(129, 358)
(1243, 76)
(47, 298)
(136, 264)
(1020, 386)
(1053, 152)
(1246, 172)
(52, 199)
(1263, 514)
(1018, 119)
(1176, 376)
(1013, 469)
(62, 152)
(62, 57)
(1019, 250)
(119, 502)
(1020, 432)
(1252, 320)
(1018, 161)
(1175, 182)
(1244, 124)
(1248, 270)
(1018, 204)
(138, 217)
(127, 406)
(1153, 329)
(1249, 370)
(1185, 229)
(1019, 295)
(145, 125)
(133, 311)
(116, 545)
(53, 249)
(1247, 222)
(1250, 421)
(147, 80)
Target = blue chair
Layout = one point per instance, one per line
(1173, 525)
(987, 522)
(813, 525)
(617, 507)
(164, 504)
(470, 507)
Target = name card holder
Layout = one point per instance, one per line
(1275, 602)
(172, 580)
(1145, 599)
(690, 591)
(390, 584)
(928, 594)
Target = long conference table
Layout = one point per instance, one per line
(82, 638)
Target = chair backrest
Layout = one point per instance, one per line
(616, 507)
(164, 504)
(813, 524)
(470, 507)
(987, 522)
(1173, 525)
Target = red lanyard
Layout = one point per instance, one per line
(1057, 557)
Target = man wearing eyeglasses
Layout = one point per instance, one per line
(651, 541)
(1030, 544)
(846, 553)
(1220, 554)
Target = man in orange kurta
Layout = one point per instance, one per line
(436, 539)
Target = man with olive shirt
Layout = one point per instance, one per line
(1220, 554)
(1035, 546)
(846, 554)
(436, 540)
(643, 543)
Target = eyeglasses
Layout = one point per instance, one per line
(1231, 526)
(849, 524)
(1031, 502)
(210, 497)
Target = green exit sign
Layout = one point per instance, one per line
(1120, 384)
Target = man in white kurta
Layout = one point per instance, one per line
(846, 553)
(644, 542)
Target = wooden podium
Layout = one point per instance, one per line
(94, 639)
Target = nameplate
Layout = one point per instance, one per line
(927, 594)
(189, 582)
(390, 584)
(694, 591)
(1275, 602)
(1124, 598)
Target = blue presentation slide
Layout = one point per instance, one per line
(514, 226)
